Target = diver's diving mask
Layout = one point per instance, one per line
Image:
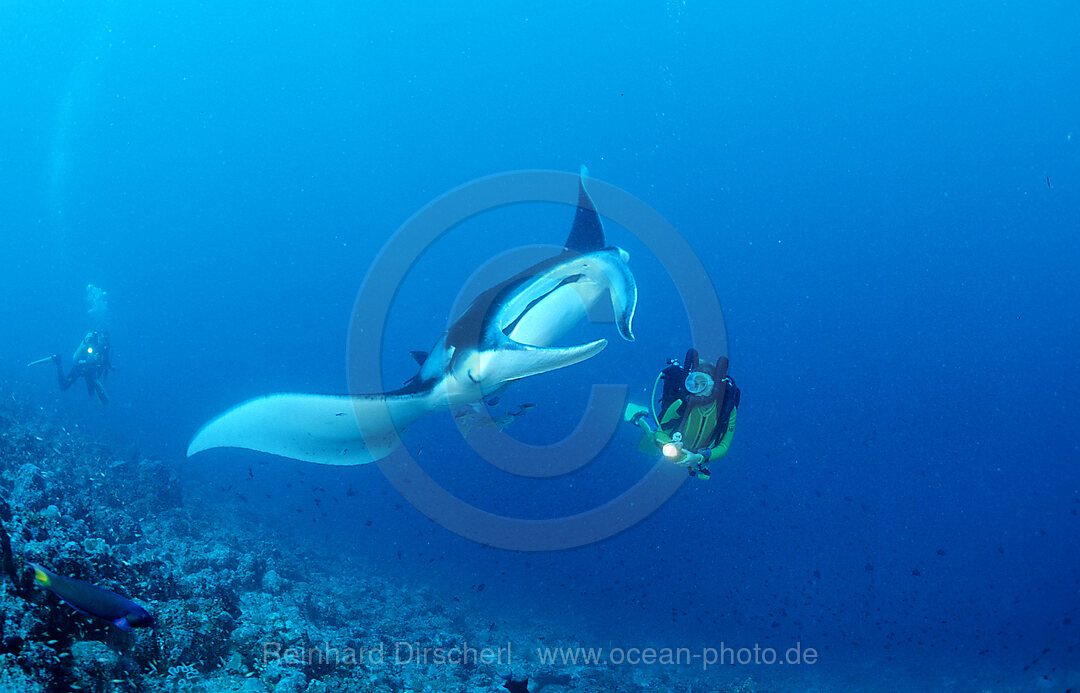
(699, 384)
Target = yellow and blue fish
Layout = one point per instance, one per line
(93, 600)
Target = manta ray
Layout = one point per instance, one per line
(507, 333)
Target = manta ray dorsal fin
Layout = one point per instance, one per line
(587, 233)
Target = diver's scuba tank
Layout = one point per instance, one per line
(691, 361)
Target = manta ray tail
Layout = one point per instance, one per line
(316, 428)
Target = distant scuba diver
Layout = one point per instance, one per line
(91, 363)
(697, 413)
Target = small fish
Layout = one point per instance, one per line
(513, 686)
(95, 601)
(494, 401)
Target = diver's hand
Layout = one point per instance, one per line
(692, 459)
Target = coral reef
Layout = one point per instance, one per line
(233, 611)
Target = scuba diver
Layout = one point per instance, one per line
(91, 363)
(696, 420)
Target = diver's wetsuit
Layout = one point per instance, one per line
(706, 424)
(91, 363)
(701, 425)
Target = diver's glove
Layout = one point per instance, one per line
(634, 412)
(689, 459)
(692, 459)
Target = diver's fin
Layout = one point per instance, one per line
(517, 360)
(316, 428)
(101, 392)
(419, 356)
(587, 233)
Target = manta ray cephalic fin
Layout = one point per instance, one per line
(516, 360)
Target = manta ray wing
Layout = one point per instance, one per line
(324, 429)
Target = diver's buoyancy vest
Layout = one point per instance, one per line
(699, 426)
(704, 420)
(704, 423)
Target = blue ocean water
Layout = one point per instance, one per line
(886, 198)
